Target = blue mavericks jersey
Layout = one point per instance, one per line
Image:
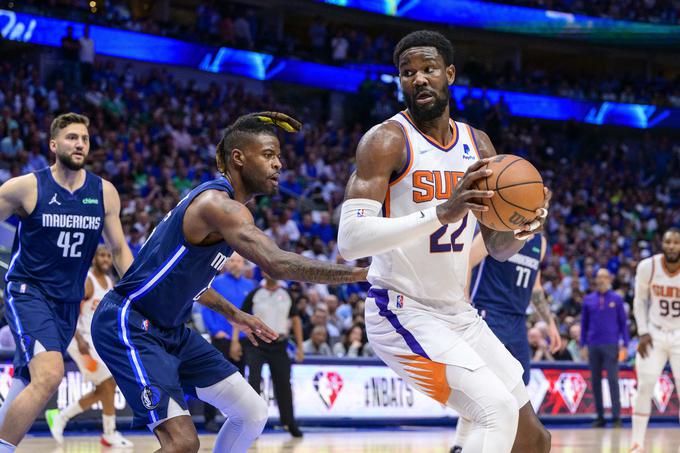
(169, 273)
(505, 287)
(54, 245)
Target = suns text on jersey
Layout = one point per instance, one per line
(671, 292)
(431, 184)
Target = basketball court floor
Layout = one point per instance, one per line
(664, 439)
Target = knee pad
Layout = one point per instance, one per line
(235, 398)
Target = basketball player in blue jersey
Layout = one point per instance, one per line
(63, 211)
(408, 206)
(139, 327)
(501, 293)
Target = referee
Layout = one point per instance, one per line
(274, 305)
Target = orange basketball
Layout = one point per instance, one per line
(518, 188)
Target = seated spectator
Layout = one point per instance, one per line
(577, 351)
(563, 353)
(539, 346)
(354, 344)
(317, 343)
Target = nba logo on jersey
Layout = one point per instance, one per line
(22, 288)
(400, 301)
(361, 213)
(145, 325)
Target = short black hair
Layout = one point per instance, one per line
(238, 134)
(673, 230)
(425, 38)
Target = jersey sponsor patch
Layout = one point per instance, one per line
(90, 201)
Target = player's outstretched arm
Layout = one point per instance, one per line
(363, 231)
(113, 230)
(251, 325)
(542, 306)
(236, 225)
(503, 244)
(18, 196)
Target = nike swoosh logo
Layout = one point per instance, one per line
(422, 214)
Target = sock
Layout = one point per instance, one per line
(109, 422)
(6, 447)
(17, 386)
(463, 428)
(639, 429)
(71, 411)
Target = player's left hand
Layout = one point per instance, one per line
(535, 226)
(254, 327)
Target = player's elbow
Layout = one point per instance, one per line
(348, 244)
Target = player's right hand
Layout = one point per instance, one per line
(463, 198)
(644, 345)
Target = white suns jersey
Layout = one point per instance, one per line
(88, 307)
(431, 269)
(663, 293)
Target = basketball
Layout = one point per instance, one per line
(518, 188)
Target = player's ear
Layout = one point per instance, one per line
(450, 74)
(53, 145)
(238, 157)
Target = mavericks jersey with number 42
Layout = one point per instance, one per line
(505, 287)
(54, 245)
(431, 269)
(169, 273)
(663, 294)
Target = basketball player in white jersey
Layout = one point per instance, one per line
(418, 167)
(91, 366)
(657, 314)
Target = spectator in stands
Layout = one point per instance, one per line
(603, 326)
(563, 354)
(540, 350)
(317, 344)
(12, 145)
(86, 56)
(353, 344)
(70, 52)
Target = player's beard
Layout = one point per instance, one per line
(256, 184)
(424, 114)
(66, 161)
(671, 259)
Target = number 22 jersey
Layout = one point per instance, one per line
(432, 270)
(54, 245)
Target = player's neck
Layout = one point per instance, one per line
(438, 128)
(240, 193)
(671, 267)
(69, 179)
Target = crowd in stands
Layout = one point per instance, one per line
(654, 11)
(154, 136)
(319, 39)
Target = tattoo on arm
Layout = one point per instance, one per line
(501, 245)
(296, 267)
(214, 301)
(540, 303)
